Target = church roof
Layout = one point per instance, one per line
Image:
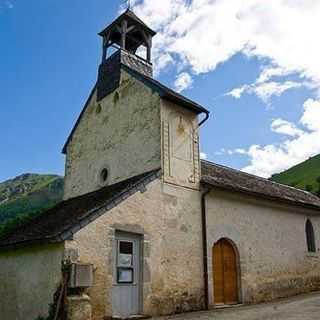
(66, 218)
(163, 91)
(234, 180)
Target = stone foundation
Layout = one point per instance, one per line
(282, 288)
(79, 308)
(174, 302)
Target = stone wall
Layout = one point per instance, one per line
(167, 215)
(270, 238)
(28, 279)
(120, 133)
(168, 218)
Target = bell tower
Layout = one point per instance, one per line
(122, 41)
(128, 33)
(131, 123)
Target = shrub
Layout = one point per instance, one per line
(309, 187)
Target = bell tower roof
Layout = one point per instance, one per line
(128, 32)
(132, 18)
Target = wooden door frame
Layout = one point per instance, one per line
(238, 268)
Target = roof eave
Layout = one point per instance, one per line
(26, 243)
(193, 107)
(158, 87)
(69, 230)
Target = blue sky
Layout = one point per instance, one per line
(260, 83)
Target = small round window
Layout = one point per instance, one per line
(104, 175)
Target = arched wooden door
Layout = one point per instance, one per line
(225, 277)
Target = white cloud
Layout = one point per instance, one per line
(286, 128)
(183, 81)
(268, 89)
(203, 155)
(237, 92)
(240, 151)
(270, 72)
(201, 34)
(220, 152)
(311, 115)
(229, 152)
(274, 158)
(163, 61)
(265, 90)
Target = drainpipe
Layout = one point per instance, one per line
(204, 234)
(204, 246)
(205, 119)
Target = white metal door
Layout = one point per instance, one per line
(126, 275)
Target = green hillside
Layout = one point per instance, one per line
(305, 175)
(27, 195)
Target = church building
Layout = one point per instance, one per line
(146, 227)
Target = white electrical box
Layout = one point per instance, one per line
(81, 275)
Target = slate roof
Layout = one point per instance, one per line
(66, 218)
(131, 16)
(230, 179)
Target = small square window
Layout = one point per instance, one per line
(125, 254)
(125, 275)
(125, 270)
(126, 247)
(125, 260)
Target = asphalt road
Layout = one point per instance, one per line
(303, 307)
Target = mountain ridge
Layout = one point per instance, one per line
(27, 195)
(305, 175)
